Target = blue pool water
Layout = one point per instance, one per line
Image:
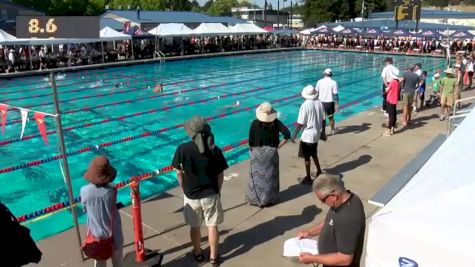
(273, 76)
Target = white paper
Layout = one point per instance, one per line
(293, 247)
(24, 118)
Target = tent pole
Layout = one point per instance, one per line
(65, 162)
(102, 48)
(132, 47)
(31, 59)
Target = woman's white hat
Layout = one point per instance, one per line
(309, 92)
(266, 113)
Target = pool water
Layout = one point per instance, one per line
(207, 87)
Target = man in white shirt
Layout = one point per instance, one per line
(418, 69)
(327, 90)
(386, 77)
(310, 119)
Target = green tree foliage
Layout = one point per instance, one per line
(437, 3)
(222, 7)
(316, 11)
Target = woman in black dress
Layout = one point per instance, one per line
(263, 184)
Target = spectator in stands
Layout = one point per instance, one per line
(311, 119)
(199, 166)
(341, 234)
(99, 199)
(327, 90)
(263, 183)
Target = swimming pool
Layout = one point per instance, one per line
(139, 130)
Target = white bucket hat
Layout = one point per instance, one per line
(266, 113)
(450, 71)
(328, 71)
(309, 92)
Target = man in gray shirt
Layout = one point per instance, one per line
(410, 82)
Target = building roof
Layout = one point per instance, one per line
(166, 17)
(391, 24)
(427, 13)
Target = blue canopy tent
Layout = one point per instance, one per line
(323, 31)
(348, 32)
(428, 34)
(462, 34)
(398, 33)
(373, 32)
(284, 31)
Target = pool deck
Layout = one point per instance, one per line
(254, 237)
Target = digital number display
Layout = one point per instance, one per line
(57, 27)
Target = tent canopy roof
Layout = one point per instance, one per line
(171, 29)
(110, 34)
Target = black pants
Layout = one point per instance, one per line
(384, 106)
(422, 98)
(391, 110)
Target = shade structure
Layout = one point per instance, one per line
(247, 28)
(323, 31)
(284, 31)
(109, 34)
(348, 32)
(430, 221)
(462, 34)
(5, 37)
(373, 32)
(428, 34)
(398, 33)
(171, 30)
(211, 29)
(338, 28)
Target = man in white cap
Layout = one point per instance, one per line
(327, 90)
(310, 119)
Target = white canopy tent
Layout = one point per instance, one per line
(211, 29)
(430, 221)
(109, 34)
(5, 37)
(246, 28)
(338, 28)
(171, 30)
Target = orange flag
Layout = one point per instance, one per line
(3, 110)
(40, 121)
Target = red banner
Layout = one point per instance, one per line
(3, 110)
(40, 121)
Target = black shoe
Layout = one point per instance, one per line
(305, 180)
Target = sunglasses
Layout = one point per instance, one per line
(324, 199)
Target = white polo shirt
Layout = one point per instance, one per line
(386, 73)
(326, 89)
(311, 115)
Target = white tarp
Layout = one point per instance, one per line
(430, 222)
(5, 37)
(109, 34)
(246, 28)
(209, 29)
(338, 28)
(171, 29)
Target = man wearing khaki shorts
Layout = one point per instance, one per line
(447, 89)
(199, 168)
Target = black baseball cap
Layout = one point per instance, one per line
(389, 59)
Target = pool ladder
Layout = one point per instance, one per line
(160, 55)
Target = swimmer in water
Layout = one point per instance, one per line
(158, 88)
(117, 85)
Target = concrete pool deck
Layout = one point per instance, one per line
(254, 237)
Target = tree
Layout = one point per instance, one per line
(207, 6)
(246, 3)
(370, 6)
(437, 3)
(316, 11)
(152, 4)
(222, 7)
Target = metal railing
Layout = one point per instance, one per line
(458, 114)
(159, 54)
